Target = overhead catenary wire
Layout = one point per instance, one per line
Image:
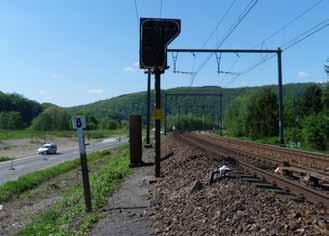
(293, 20)
(219, 23)
(234, 26)
(306, 34)
(285, 26)
(272, 35)
(136, 10)
(298, 39)
(221, 20)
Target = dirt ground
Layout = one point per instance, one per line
(17, 148)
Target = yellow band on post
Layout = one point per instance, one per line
(157, 114)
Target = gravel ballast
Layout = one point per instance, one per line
(185, 205)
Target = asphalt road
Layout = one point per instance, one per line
(33, 163)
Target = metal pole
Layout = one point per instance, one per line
(221, 113)
(165, 115)
(84, 170)
(203, 117)
(157, 117)
(281, 116)
(148, 104)
(12, 165)
(197, 50)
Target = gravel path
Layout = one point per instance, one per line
(127, 211)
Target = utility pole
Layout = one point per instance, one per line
(148, 107)
(165, 115)
(280, 92)
(221, 113)
(203, 117)
(157, 117)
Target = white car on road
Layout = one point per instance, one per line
(48, 148)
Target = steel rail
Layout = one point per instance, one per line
(296, 188)
(300, 154)
(313, 155)
(251, 154)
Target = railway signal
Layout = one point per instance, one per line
(79, 123)
(155, 36)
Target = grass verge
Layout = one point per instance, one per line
(68, 216)
(28, 133)
(32, 180)
(5, 159)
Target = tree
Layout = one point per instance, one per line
(109, 123)
(235, 117)
(92, 122)
(262, 114)
(28, 109)
(316, 131)
(190, 122)
(53, 118)
(325, 96)
(292, 114)
(10, 120)
(311, 101)
(293, 121)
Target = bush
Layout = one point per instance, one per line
(53, 118)
(294, 135)
(189, 122)
(316, 131)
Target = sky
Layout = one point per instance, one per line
(78, 51)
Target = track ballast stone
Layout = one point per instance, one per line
(228, 207)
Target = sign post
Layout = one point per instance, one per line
(155, 35)
(79, 123)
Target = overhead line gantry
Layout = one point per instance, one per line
(278, 53)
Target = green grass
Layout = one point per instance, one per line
(68, 217)
(5, 159)
(32, 180)
(28, 133)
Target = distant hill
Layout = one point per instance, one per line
(15, 106)
(135, 103)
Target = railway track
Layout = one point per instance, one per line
(291, 165)
(307, 160)
(250, 163)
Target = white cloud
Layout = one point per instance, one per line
(95, 91)
(303, 75)
(42, 92)
(129, 69)
(132, 68)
